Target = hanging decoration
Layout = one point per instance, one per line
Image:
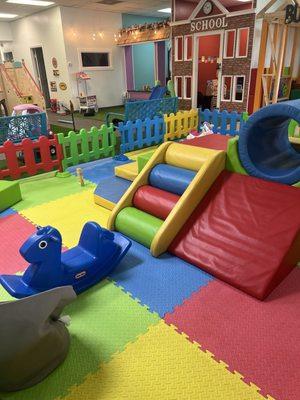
(144, 33)
(209, 59)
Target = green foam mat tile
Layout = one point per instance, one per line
(103, 321)
(38, 191)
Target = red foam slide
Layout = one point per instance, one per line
(246, 231)
(156, 202)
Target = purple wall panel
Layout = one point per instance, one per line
(129, 67)
(160, 60)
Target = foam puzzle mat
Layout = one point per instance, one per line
(157, 328)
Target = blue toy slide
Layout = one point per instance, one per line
(264, 147)
(99, 251)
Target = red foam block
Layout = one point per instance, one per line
(156, 202)
(258, 339)
(215, 142)
(14, 231)
(245, 232)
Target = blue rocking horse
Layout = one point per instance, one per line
(98, 252)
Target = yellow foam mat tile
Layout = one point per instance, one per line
(163, 364)
(133, 155)
(68, 214)
(127, 171)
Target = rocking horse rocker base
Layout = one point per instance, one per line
(98, 252)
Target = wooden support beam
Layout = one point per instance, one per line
(282, 50)
(261, 65)
(265, 8)
(273, 66)
(295, 47)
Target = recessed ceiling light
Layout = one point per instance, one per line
(165, 10)
(39, 3)
(8, 16)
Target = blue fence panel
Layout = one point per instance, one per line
(139, 134)
(23, 126)
(150, 108)
(225, 123)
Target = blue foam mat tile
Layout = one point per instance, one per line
(160, 283)
(112, 188)
(6, 213)
(99, 170)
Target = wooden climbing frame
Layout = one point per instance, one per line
(276, 33)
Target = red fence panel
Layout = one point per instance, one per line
(31, 157)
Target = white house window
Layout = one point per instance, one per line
(238, 89)
(242, 42)
(188, 48)
(227, 81)
(229, 43)
(95, 59)
(178, 86)
(179, 48)
(187, 87)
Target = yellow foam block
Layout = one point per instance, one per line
(185, 156)
(163, 364)
(101, 201)
(68, 214)
(127, 171)
(133, 155)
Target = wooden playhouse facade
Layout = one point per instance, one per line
(213, 47)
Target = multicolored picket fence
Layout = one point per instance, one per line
(139, 134)
(87, 146)
(33, 156)
(181, 124)
(30, 157)
(223, 122)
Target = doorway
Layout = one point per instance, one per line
(207, 70)
(40, 73)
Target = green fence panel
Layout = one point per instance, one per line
(87, 146)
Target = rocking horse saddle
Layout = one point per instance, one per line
(33, 338)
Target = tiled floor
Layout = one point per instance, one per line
(132, 335)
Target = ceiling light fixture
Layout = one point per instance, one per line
(38, 3)
(8, 16)
(166, 10)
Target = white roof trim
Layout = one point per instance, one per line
(201, 4)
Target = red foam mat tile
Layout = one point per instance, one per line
(260, 340)
(14, 231)
(215, 142)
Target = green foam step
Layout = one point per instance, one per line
(138, 225)
(10, 194)
(143, 159)
(233, 163)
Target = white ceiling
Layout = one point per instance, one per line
(141, 7)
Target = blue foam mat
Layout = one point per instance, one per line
(99, 170)
(160, 283)
(112, 188)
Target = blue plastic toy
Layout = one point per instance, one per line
(99, 251)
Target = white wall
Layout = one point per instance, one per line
(79, 25)
(43, 29)
(5, 32)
